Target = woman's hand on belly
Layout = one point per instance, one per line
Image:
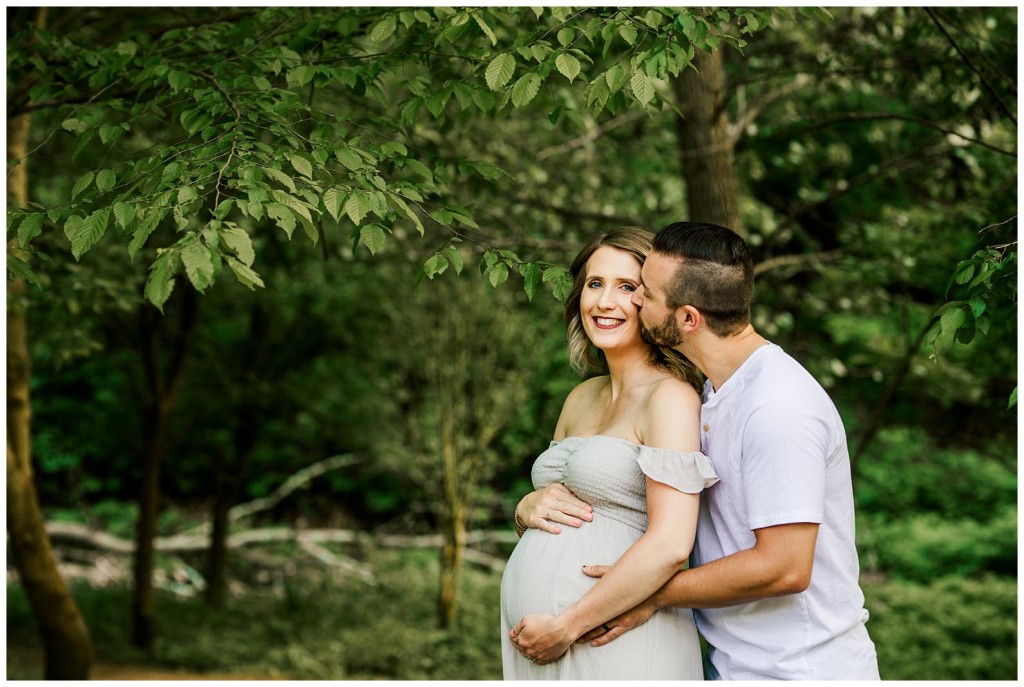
(542, 638)
(554, 504)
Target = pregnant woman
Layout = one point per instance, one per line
(628, 444)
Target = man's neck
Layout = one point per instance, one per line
(719, 357)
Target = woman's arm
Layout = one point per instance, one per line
(652, 560)
(546, 508)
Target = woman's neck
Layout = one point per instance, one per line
(628, 369)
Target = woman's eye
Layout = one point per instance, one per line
(593, 284)
(629, 288)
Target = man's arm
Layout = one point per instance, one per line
(780, 563)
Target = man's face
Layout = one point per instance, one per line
(658, 325)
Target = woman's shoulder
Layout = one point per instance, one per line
(588, 389)
(670, 407)
(669, 390)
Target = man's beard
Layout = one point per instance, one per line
(666, 334)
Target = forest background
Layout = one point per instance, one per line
(283, 308)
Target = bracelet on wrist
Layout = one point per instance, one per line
(521, 526)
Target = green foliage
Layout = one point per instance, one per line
(951, 629)
(926, 547)
(218, 170)
(906, 472)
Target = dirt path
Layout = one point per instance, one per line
(102, 670)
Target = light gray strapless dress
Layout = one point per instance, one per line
(543, 574)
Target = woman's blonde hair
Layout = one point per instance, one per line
(584, 356)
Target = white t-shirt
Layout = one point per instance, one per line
(779, 448)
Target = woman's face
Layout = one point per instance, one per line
(609, 317)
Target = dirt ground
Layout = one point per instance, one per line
(26, 663)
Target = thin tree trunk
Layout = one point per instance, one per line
(158, 408)
(67, 649)
(705, 144)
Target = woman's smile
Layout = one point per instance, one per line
(608, 322)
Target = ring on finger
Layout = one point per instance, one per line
(606, 628)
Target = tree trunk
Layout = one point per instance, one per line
(705, 143)
(453, 552)
(158, 407)
(67, 649)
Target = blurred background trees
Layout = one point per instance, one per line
(442, 166)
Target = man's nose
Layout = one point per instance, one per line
(638, 298)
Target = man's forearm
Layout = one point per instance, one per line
(743, 577)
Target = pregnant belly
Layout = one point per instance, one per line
(544, 573)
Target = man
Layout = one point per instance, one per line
(773, 574)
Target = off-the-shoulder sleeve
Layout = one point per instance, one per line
(688, 471)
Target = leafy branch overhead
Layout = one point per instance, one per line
(306, 119)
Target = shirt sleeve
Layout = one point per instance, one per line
(784, 454)
(688, 471)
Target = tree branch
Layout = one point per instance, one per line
(591, 135)
(970, 64)
(872, 117)
(800, 260)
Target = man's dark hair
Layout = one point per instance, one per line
(716, 276)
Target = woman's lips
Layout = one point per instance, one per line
(608, 322)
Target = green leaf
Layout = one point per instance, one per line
(420, 168)
(531, 279)
(484, 100)
(977, 306)
(435, 265)
(1013, 398)
(332, 201)
(953, 319)
(82, 183)
(245, 274)
(282, 216)
(301, 165)
(109, 133)
(643, 89)
(964, 272)
(198, 265)
(485, 28)
(455, 258)
(186, 193)
(238, 240)
(349, 158)
(262, 83)
(160, 283)
(89, 232)
(301, 75)
(394, 148)
(19, 269)
(143, 231)
(568, 65)
(498, 274)
(74, 125)
(525, 89)
(124, 214)
(409, 212)
(280, 177)
(628, 33)
(356, 207)
(565, 36)
(383, 29)
(372, 236)
(500, 70)
(615, 78)
(178, 79)
(105, 179)
(31, 227)
(292, 203)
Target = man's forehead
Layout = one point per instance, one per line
(658, 269)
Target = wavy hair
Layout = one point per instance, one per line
(584, 356)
